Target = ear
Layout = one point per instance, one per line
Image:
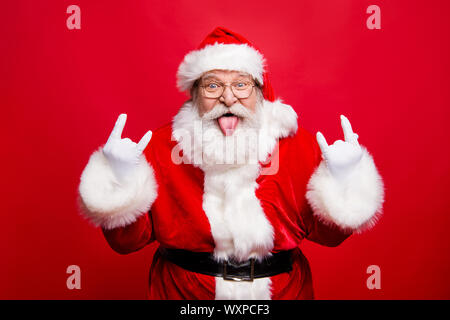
(259, 94)
(194, 90)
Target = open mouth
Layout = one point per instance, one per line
(228, 123)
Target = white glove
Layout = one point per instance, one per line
(342, 157)
(124, 155)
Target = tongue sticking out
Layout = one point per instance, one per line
(227, 124)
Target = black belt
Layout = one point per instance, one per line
(204, 263)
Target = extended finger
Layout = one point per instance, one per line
(322, 142)
(144, 141)
(118, 127)
(349, 135)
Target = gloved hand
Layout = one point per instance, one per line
(123, 154)
(342, 157)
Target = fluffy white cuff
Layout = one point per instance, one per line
(107, 203)
(354, 205)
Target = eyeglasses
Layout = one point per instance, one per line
(240, 89)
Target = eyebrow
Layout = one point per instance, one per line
(212, 75)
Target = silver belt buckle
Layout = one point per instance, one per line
(234, 278)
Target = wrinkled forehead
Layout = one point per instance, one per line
(225, 75)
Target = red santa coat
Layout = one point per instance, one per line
(176, 204)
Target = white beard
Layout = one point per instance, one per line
(236, 150)
(204, 144)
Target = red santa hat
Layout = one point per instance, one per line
(223, 49)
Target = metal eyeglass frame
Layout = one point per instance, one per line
(223, 90)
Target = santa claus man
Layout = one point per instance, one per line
(231, 187)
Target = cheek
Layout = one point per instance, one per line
(250, 103)
(206, 105)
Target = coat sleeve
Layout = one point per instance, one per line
(321, 232)
(334, 211)
(122, 211)
(132, 237)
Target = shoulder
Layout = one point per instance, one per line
(163, 132)
(301, 149)
(301, 138)
(161, 140)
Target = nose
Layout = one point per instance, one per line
(227, 97)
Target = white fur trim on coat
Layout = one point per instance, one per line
(258, 289)
(107, 203)
(354, 205)
(279, 120)
(237, 57)
(238, 223)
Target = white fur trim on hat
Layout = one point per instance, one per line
(237, 57)
(107, 203)
(355, 205)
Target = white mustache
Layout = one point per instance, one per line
(219, 110)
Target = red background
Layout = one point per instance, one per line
(61, 91)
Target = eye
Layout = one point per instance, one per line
(240, 85)
(212, 85)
